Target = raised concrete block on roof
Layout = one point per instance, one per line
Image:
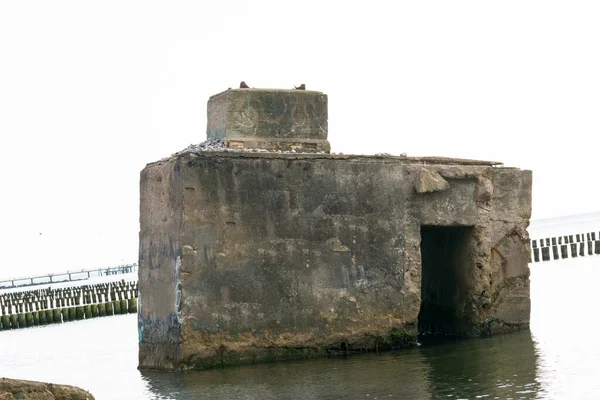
(272, 119)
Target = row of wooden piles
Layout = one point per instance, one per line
(568, 246)
(55, 305)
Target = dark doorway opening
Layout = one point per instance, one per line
(446, 267)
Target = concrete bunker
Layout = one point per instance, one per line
(445, 284)
(258, 245)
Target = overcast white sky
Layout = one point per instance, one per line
(92, 91)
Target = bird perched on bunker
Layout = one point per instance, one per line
(243, 85)
(301, 87)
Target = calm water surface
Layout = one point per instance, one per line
(558, 359)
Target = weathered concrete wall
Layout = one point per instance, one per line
(285, 256)
(273, 119)
(161, 209)
(31, 390)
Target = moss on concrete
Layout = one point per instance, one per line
(396, 339)
(31, 390)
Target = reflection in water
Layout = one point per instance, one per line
(402, 374)
(502, 366)
(565, 326)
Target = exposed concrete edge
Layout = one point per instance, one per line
(22, 389)
(349, 157)
(450, 160)
(274, 144)
(267, 90)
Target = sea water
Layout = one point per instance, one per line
(558, 359)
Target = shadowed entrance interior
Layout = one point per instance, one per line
(446, 267)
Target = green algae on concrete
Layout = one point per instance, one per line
(31, 390)
(402, 338)
(273, 355)
(396, 340)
